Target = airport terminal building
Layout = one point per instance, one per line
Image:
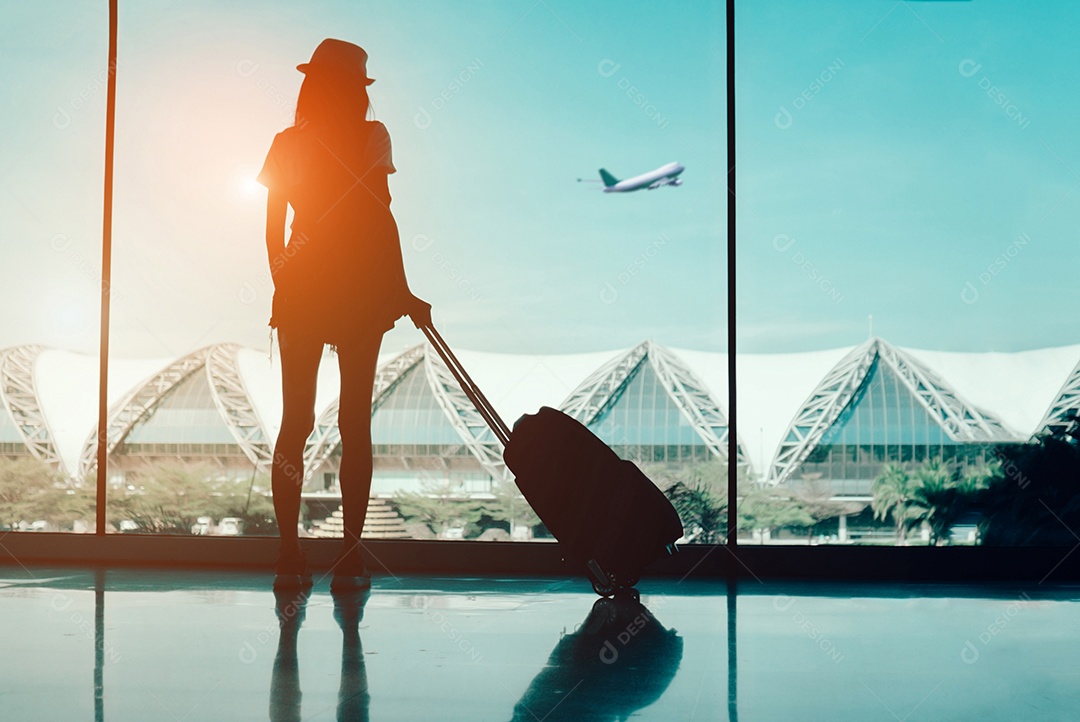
(838, 415)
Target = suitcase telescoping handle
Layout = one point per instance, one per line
(498, 426)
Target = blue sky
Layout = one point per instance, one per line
(930, 175)
(898, 182)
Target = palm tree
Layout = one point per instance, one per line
(933, 499)
(699, 495)
(703, 513)
(892, 496)
(937, 494)
(944, 495)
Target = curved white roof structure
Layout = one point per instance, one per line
(837, 392)
(1017, 387)
(213, 369)
(64, 385)
(647, 396)
(1066, 403)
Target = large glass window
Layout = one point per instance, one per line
(539, 278)
(907, 199)
(50, 154)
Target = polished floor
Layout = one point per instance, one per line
(185, 646)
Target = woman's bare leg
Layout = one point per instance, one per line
(357, 363)
(299, 369)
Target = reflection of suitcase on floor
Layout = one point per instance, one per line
(603, 510)
(619, 660)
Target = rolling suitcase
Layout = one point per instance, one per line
(602, 509)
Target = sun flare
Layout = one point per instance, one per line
(245, 186)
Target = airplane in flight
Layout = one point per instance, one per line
(665, 175)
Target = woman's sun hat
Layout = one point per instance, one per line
(338, 56)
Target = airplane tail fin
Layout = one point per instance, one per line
(609, 180)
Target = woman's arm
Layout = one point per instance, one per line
(276, 206)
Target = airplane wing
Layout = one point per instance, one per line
(665, 182)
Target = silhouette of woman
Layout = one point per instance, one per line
(339, 281)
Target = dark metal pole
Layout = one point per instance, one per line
(99, 645)
(733, 650)
(733, 436)
(106, 279)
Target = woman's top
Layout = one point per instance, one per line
(341, 275)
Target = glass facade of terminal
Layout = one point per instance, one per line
(643, 424)
(409, 421)
(883, 423)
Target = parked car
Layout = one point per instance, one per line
(229, 526)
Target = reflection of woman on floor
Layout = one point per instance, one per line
(353, 696)
(340, 281)
(354, 700)
(285, 692)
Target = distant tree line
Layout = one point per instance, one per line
(699, 494)
(440, 506)
(156, 498)
(1028, 495)
(31, 491)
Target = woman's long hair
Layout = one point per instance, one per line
(331, 105)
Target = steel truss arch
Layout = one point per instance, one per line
(960, 420)
(1066, 403)
(137, 405)
(233, 402)
(19, 393)
(695, 402)
(599, 392)
(325, 438)
(463, 416)
(603, 388)
(227, 389)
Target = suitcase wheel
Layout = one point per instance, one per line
(603, 583)
(614, 585)
(608, 583)
(604, 589)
